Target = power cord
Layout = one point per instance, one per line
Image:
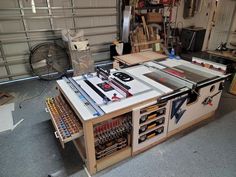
(38, 95)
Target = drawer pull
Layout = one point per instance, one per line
(56, 134)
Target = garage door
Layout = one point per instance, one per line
(20, 29)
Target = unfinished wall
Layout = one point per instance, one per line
(20, 29)
(223, 20)
(232, 32)
(200, 18)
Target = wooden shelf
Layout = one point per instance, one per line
(113, 158)
(146, 43)
(80, 146)
(157, 6)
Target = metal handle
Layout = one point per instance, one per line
(56, 134)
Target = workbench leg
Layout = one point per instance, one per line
(232, 88)
(116, 64)
(90, 148)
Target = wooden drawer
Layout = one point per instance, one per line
(64, 120)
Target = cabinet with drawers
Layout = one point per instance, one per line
(149, 125)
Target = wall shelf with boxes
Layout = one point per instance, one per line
(151, 25)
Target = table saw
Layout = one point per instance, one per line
(114, 114)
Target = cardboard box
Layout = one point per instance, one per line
(154, 17)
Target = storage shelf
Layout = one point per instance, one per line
(157, 6)
(113, 158)
(151, 120)
(57, 132)
(151, 139)
(80, 146)
(155, 109)
(148, 131)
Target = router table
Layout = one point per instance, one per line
(114, 114)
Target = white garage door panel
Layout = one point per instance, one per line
(38, 24)
(16, 48)
(101, 56)
(102, 39)
(84, 22)
(20, 68)
(105, 20)
(95, 3)
(6, 13)
(21, 75)
(95, 11)
(104, 2)
(100, 47)
(11, 37)
(39, 12)
(3, 71)
(38, 3)
(41, 35)
(18, 59)
(11, 26)
(17, 36)
(61, 3)
(62, 12)
(9, 4)
(62, 23)
(99, 30)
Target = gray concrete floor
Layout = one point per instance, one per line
(31, 150)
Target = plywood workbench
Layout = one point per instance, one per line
(151, 102)
(228, 56)
(136, 58)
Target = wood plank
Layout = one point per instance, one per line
(114, 158)
(233, 86)
(80, 146)
(5, 97)
(89, 147)
(145, 27)
(135, 58)
(223, 54)
(147, 42)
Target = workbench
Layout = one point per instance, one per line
(111, 115)
(136, 58)
(223, 54)
(228, 56)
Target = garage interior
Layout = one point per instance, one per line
(83, 86)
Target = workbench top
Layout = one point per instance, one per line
(140, 57)
(140, 91)
(224, 54)
(149, 82)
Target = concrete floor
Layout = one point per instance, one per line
(31, 150)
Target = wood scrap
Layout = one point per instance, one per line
(143, 37)
(145, 27)
(5, 97)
